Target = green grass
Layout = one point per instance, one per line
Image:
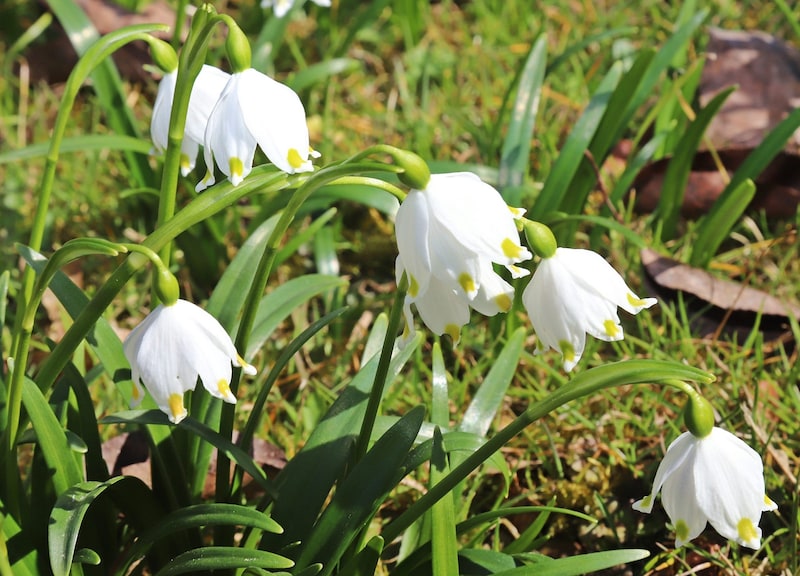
(436, 79)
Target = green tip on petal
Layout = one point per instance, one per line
(503, 302)
(453, 331)
(540, 239)
(681, 531)
(413, 286)
(567, 350)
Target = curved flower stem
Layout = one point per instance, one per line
(372, 182)
(589, 382)
(376, 392)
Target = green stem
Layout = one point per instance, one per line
(376, 391)
(589, 382)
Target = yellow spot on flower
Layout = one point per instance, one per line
(516, 212)
(466, 282)
(176, 405)
(186, 164)
(503, 302)
(611, 328)
(511, 249)
(135, 394)
(747, 531)
(294, 158)
(413, 286)
(223, 387)
(567, 350)
(647, 502)
(682, 530)
(453, 331)
(237, 168)
(634, 301)
(768, 502)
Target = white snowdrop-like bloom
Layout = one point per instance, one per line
(573, 293)
(172, 347)
(281, 7)
(255, 109)
(717, 479)
(205, 92)
(448, 236)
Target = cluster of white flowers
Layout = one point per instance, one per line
(229, 114)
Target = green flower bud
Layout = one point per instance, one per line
(540, 238)
(416, 173)
(166, 286)
(237, 47)
(698, 415)
(163, 55)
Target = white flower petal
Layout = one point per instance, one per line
(686, 516)
(276, 118)
(162, 107)
(494, 295)
(207, 89)
(442, 310)
(411, 230)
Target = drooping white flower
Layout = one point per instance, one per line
(717, 479)
(281, 7)
(205, 92)
(573, 293)
(255, 109)
(172, 347)
(448, 236)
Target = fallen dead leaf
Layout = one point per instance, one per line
(719, 302)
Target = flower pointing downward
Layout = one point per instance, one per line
(172, 347)
(716, 479)
(255, 109)
(573, 293)
(448, 236)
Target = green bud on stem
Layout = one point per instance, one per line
(163, 55)
(416, 173)
(237, 47)
(698, 415)
(540, 238)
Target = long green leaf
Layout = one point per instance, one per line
(366, 561)
(16, 551)
(717, 225)
(576, 565)
(440, 400)
(105, 80)
(358, 497)
(306, 481)
(195, 517)
(51, 439)
(223, 558)
(756, 162)
(489, 397)
(515, 156)
(83, 143)
(572, 153)
(444, 546)
(71, 508)
(680, 166)
(279, 304)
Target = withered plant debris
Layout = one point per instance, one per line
(766, 72)
(718, 305)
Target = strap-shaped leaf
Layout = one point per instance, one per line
(306, 481)
(444, 545)
(576, 565)
(223, 558)
(489, 397)
(129, 493)
(195, 517)
(358, 497)
(366, 561)
(83, 143)
(515, 156)
(18, 556)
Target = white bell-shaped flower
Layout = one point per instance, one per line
(172, 347)
(717, 479)
(281, 7)
(255, 109)
(205, 92)
(573, 293)
(448, 236)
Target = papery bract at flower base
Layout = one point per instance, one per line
(281, 7)
(448, 236)
(172, 347)
(205, 92)
(573, 293)
(255, 109)
(717, 479)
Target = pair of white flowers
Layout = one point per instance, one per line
(229, 114)
(450, 234)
